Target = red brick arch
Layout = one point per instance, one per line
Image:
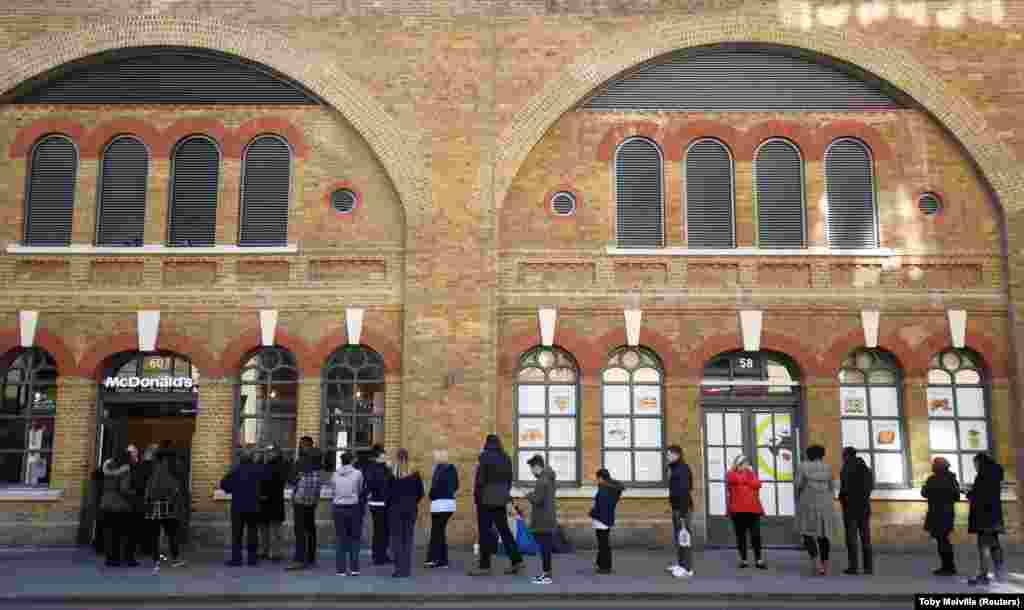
(199, 126)
(615, 136)
(97, 139)
(338, 337)
(44, 339)
(880, 149)
(649, 338)
(251, 340)
(267, 125)
(92, 362)
(589, 358)
(841, 347)
(796, 133)
(994, 357)
(27, 136)
(803, 355)
(680, 139)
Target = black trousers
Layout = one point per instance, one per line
(488, 519)
(438, 549)
(305, 533)
(858, 529)
(945, 552)
(604, 549)
(816, 548)
(381, 535)
(403, 532)
(247, 525)
(747, 524)
(118, 526)
(170, 526)
(546, 541)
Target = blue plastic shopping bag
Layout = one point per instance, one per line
(524, 538)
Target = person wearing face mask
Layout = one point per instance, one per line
(744, 490)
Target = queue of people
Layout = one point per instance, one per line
(143, 498)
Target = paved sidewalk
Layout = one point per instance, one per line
(60, 574)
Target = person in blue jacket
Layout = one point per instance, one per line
(406, 493)
(443, 486)
(603, 515)
(377, 478)
(245, 484)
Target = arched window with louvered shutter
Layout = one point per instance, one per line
(50, 194)
(195, 179)
(122, 215)
(639, 200)
(710, 217)
(850, 181)
(779, 171)
(266, 182)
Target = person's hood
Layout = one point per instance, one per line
(111, 471)
(347, 471)
(817, 471)
(547, 475)
(493, 443)
(613, 485)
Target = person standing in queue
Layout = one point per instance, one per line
(164, 509)
(245, 484)
(406, 493)
(543, 515)
(986, 519)
(942, 492)
(745, 509)
(443, 486)
(117, 505)
(856, 482)
(492, 492)
(272, 501)
(378, 477)
(816, 515)
(680, 483)
(347, 483)
(603, 515)
(305, 500)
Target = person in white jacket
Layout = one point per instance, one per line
(348, 515)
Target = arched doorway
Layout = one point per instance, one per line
(751, 404)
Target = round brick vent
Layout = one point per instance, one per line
(344, 201)
(563, 203)
(929, 204)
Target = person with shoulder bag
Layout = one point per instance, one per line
(117, 504)
(163, 508)
(492, 492)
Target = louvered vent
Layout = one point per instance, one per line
(852, 221)
(780, 196)
(50, 200)
(194, 184)
(638, 195)
(709, 205)
(563, 203)
(929, 203)
(344, 201)
(745, 78)
(265, 188)
(122, 213)
(162, 75)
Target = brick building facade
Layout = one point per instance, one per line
(454, 124)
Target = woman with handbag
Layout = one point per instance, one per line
(117, 505)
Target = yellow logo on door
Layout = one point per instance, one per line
(775, 447)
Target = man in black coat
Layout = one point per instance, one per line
(856, 482)
(492, 491)
(377, 478)
(245, 483)
(680, 483)
(986, 517)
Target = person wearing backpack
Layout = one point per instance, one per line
(164, 507)
(603, 515)
(117, 503)
(348, 515)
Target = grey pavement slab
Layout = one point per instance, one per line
(78, 574)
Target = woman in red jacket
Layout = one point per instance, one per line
(745, 508)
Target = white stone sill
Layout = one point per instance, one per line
(739, 252)
(30, 495)
(151, 249)
(913, 494)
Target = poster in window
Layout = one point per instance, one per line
(564, 464)
(889, 468)
(647, 400)
(616, 433)
(531, 400)
(973, 435)
(786, 497)
(856, 434)
(562, 432)
(616, 400)
(940, 401)
(524, 467)
(532, 432)
(853, 402)
(768, 500)
(942, 435)
(647, 433)
(970, 402)
(885, 402)
(619, 465)
(563, 399)
(648, 466)
(886, 434)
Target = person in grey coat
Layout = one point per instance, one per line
(543, 514)
(816, 515)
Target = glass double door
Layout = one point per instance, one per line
(769, 437)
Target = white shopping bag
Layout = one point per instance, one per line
(684, 537)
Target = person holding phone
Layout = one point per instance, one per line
(745, 509)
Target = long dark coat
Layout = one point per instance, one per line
(942, 492)
(986, 504)
(272, 497)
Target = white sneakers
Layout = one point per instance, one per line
(681, 572)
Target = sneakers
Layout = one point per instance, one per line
(681, 572)
(761, 565)
(981, 580)
(515, 568)
(295, 565)
(672, 567)
(430, 565)
(743, 564)
(179, 563)
(543, 579)
(354, 573)
(341, 573)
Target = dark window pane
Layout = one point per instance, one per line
(356, 357)
(14, 400)
(371, 373)
(280, 432)
(285, 374)
(338, 398)
(13, 434)
(12, 468)
(341, 373)
(282, 404)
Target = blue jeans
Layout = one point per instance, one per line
(348, 524)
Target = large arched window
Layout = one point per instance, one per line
(871, 411)
(850, 181)
(121, 220)
(633, 431)
(710, 217)
(779, 173)
(639, 200)
(27, 416)
(268, 399)
(547, 413)
(266, 181)
(50, 196)
(195, 182)
(958, 410)
(353, 401)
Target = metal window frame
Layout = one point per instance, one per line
(615, 189)
(874, 189)
(325, 442)
(519, 478)
(631, 417)
(241, 188)
(29, 385)
(986, 391)
(240, 419)
(732, 188)
(173, 181)
(30, 173)
(558, 194)
(803, 190)
(99, 184)
(901, 418)
(355, 200)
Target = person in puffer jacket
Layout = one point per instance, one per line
(745, 508)
(348, 515)
(603, 514)
(117, 504)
